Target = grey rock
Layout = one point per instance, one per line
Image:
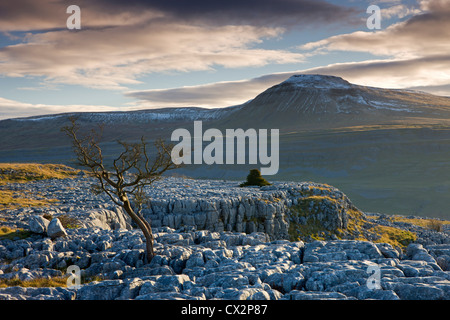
(413, 268)
(444, 262)
(195, 260)
(131, 289)
(55, 229)
(418, 292)
(166, 283)
(230, 281)
(168, 296)
(107, 219)
(387, 250)
(340, 250)
(104, 290)
(309, 295)
(38, 224)
(324, 279)
(285, 282)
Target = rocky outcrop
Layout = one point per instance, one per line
(106, 219)
(223, 206)
(275, 255)
(201, 265)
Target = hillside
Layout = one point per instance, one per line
(387, 149)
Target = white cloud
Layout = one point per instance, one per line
(14, 109)
(387, 73)
(115, 57)
(399, 11)
(213, 95)
(412, 53)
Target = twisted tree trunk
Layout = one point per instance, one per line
(144, 226)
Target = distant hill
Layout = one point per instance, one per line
(388, 150)
(324, 102)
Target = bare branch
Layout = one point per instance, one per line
(134, 160)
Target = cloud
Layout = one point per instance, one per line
(422, 34)
(15, 109)
(115, 57)
(285, 13)
(393, 73)
(213, 95)
(399, 11)
(31, 15)
(119, 42)
(413, 53)
(390, 74)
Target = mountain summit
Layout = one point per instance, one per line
(317, 81)
(313, 101)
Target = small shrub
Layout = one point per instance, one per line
(254, 178)
(435, 225)
(69, 222)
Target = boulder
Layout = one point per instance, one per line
(286, 282)
(38, 224)
(55, 229)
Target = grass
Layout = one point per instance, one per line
(35, 283)
(44, 282)
(67, 221)
(394, 236)
(435, 225)
(312, 229)
(13, 234)
(24, 173)
(16, 199)
(358, 227)
(432, 224)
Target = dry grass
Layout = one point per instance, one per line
(27, 172)
(435, 225)
(11, 234)
(424, 223)
(15, 199)
(35, 283)
(52, 282)
(394, 236)
(67, 221)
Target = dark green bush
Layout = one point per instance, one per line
(254, 178)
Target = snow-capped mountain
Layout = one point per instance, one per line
(319, 99)
(301, 102)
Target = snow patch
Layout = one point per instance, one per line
(318, 81)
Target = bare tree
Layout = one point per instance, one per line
(130, 172)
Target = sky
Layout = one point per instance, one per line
(138, 54)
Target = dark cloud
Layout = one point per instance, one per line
(254, 12)
(47, 14)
